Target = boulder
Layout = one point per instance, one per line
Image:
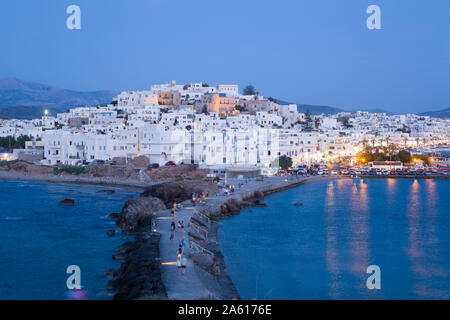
(298, 204)
(67, 202)
(258, 195)
(262, 205)
(106, 191)
(111, 233)
(118, 256)
(113, 215)
(179, 191)
(233, 206)
(138, 212)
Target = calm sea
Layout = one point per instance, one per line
(321, 250)
(39, 238)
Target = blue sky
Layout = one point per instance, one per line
(312, 52)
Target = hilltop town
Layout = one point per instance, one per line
(214, 127)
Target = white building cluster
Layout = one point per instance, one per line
(215, 126)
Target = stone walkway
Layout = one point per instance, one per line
(188, 286)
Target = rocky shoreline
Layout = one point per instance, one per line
(143, 274)
(211, 279)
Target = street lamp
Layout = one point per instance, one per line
(46, 112)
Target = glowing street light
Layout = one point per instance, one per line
(46, 112)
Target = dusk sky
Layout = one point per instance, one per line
(303, 51)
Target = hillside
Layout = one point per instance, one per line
(445, 113)
(27, 112)
(15, 92)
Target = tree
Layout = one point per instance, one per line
(284, 162)
(10, 143)
(404, 156)
(239, 108)
(424, 158)
(317, 123)
(391, 149)
(249, 90)
(308, 121)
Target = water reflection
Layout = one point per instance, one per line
(358, 223)
(391, 185)
(331, 250)
(401, 225)
(423, 252)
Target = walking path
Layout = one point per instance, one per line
(188, 285)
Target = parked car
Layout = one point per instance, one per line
(170, 163)
(334, 172)
(154, 165)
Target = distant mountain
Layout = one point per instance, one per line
(445, 113)
(314, 109)
(27, 112)
(15, 92)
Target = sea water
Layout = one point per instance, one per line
(322, 249)
(39, 238)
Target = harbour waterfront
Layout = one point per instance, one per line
(321, 249)
(40, 238)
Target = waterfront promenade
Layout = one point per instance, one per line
(191, 285)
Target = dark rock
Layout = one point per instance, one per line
(67, 202)
(106, 191)
(113, 215)
(179, 191)
(233, 206)
(262, 205)
(138, 212)
(298, 204)
(139, 274)
(118, 256)
(111, 233)
(258, 195)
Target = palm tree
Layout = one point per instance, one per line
(391, 150)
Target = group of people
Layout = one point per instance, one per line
(197, 198)
(227, 190)
(181, 259)
(179, 226)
